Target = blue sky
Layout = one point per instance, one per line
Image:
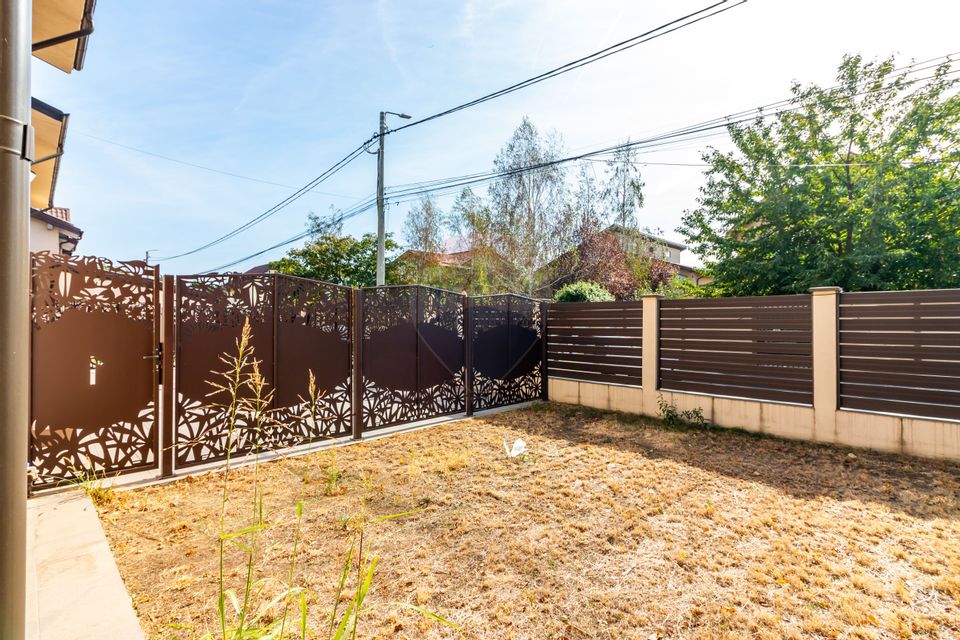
(278, 90)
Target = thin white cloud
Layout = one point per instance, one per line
(468, 20)
(385, 34)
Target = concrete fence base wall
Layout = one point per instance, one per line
(895, 434)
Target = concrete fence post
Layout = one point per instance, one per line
(650, 375)
(825, 309)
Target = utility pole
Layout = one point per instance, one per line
(16, 152)
(381, 215)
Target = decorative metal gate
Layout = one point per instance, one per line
(94, 367)
(508, 354)
(412, 354)
(299, 328)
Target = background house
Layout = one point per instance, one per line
(635, 241)
(51, 230)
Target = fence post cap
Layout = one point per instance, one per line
(655, 296)
(825, 290)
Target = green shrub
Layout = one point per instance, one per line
(583, 291)
(673, 417)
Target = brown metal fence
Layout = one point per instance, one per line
(337, 361)
(391, 355)
(900, 352)
(750, 347)
(413, 355)
(507, 350)
(596, 341)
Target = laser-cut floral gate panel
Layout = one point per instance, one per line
(313, 337)
(412, 355)
(507, 350)
(94, 367)
(298, 327)
(211, 311)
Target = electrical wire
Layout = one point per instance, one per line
(200, 166)
(662, 30)
(629, 43)
(704, 129)
(299, 193)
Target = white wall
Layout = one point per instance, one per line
(42, 238)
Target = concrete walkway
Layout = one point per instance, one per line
(74, 590)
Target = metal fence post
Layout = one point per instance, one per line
(468, 353)
(273, 348)
(168, 348)
(356, 349)
(544, 379)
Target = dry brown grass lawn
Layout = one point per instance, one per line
(612, 527)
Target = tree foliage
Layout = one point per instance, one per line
(623, 194)
(528, 207)
(341, 260)
(423, 233)
(858, 186)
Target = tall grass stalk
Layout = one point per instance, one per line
(247, 403)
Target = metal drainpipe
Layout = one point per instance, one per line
(16, 150)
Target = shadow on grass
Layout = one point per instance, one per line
(917, 487)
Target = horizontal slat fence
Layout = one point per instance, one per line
(750, 347)
(596, 341)
(900, 352)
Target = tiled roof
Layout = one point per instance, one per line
(63, 213)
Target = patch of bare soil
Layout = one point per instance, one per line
(611, 527)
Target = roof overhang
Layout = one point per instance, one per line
(50, 131)
(60, 32)
(54, 221)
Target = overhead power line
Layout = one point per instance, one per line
(700, 130)
(662, 30)
(200, 166)
(647, 36)
(365, 205)
(299, 193)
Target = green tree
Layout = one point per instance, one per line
(423, 234)
(342, 260)
(855, 185)
(529, 207)
(623, 192)
(471, 223)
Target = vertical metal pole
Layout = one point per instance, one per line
(356, 349)
(544, 383)
(381, 216)
(276, 323)
(168, 350)
(416, 348)
(468, 353)
(15, 155)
